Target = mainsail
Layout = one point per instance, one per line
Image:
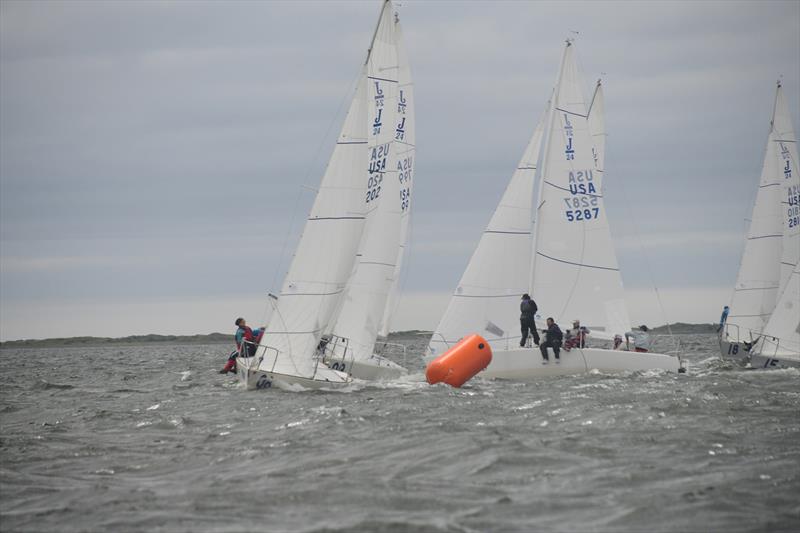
(364, 300)
(406, 151)
(575, 273)
(782, 330)
(762, 271)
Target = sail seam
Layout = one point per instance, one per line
(311, 293)
(486, 296)
(381, 79)
(577, 264)
(337, 218)
(756, 289)
(353, 142)
(571, 113)
(508, 232)
(763, 237)
(376, 263)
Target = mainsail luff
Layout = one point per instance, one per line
(364, 299)
(405, 138)
(759, 278)
(575, 272)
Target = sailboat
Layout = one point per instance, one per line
(332, 303)
(772, 246)
(565, 259)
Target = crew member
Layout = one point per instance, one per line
(552, 339)
(641, 339)
(246, 340)
(723, 318)
(528, 308)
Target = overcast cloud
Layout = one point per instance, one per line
(152, 154)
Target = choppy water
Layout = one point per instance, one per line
(153, 438)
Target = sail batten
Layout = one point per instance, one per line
(344, 219)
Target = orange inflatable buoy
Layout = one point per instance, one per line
(460, 363)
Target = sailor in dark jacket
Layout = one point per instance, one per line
(552, 339)
(528, 310)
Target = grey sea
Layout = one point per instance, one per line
(152, 438)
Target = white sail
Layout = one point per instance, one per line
(575, 274)
(782, 331)
(487, 298)
(781, 335)
(406, 151)
(790, 186)
(759, 277)
(325, 253)
(364, 300)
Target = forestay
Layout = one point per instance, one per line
(575, 272)
(367, 291)
(486, 300)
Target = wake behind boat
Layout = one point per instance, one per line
(565, 260)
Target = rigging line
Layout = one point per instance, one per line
(647, 264)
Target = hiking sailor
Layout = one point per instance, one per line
(246, 340)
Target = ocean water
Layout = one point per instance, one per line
(152, 438)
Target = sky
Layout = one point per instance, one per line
(157, 159)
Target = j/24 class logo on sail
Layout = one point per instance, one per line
(584, 204)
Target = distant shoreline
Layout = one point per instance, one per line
(226, 338)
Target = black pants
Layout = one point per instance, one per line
(555, 345)
(526, 325)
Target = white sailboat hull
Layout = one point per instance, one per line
(526, 363)
(774, 361)
(734, 351)
(374, 368)
(254, 378)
